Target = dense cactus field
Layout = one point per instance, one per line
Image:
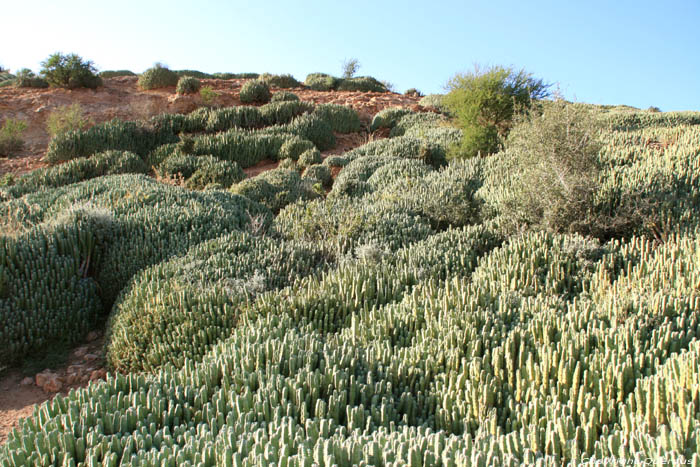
(385, 316)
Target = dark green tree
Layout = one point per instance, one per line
(70, 71)
(483, 103)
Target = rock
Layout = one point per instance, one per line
(49, 381)
(90, 357)
(80, 351)
(27, 381)
(98, 374)
(92, 335)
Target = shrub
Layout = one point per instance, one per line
(235, 75)
(275, 188)
(413, 92)
(435, 101)
(213, 172)
(362, 84)
(70, 71)
(6, 79)
(318, 173)
(294, 147)
(193, 73)
(11, 136)
(308, 126)
(283, 96)
(276, 113)
(78, 170)
(279, 81)
(27, 79)
(188, 85)
(309, 158)
(341, 118)
(289, 164)
(159, 76)
(556, 159)
(116, 73)
(208, 95)
(255, 91)
(350, 67)
(321, 82)
(388, 117)
(336, 161)
(483, 103)
(138, 137)
(66, 118)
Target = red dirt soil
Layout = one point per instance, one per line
(122, 98)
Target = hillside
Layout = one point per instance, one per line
(121, 98)
(363, 302)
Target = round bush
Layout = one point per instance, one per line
(157, 77)
(321, 82)
(294, 147)
(309, 158)
(27, 79)
(289, 164)
(188, 85)
(255, 92)
(318, 173)
(116, 73)
(280, 81)
(284, 96)
(336, 161)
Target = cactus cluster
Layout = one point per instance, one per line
(396, 321)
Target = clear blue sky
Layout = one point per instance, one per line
(639, 53)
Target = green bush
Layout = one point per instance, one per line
(148, 328)
(156, 77)
(138, 137)
(311, 127)
(336, 161)
(193, 73)
(388, 117)
(484, 102)
(66, 118)
(27, 79)
(361, 84)
(309, 158)
(435, 101)
(11, 136)
(556, 159)
(188, 85)
(255, 92)
(78, 170)
(275, 188)
(295, 147)
(318, 173)
(279, 81)
(419, 121)
(70, 71)
(213, 172)
(116, 73)
(235, 75)
(276, 113)
(321, 82)
(289, 164)
(341, 118)
(208, 95)
(200, 171)
(283, 96)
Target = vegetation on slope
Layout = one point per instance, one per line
(480, 312)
